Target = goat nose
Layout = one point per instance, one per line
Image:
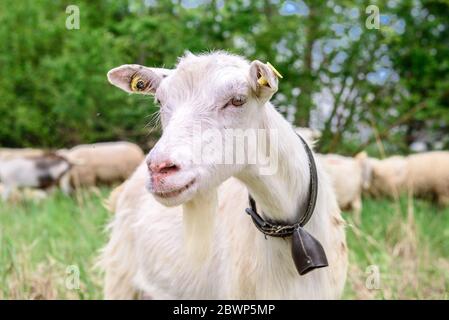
(165, 167)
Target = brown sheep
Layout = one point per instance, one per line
(101, 163)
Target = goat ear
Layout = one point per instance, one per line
(263, 80)
(134, 78)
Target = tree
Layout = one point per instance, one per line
(359, 86)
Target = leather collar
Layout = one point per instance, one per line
(284, 230)
(307, 252)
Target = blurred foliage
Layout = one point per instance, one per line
(359, 86)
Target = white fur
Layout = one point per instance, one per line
(198, 215)
(19, 171)
(146, 254)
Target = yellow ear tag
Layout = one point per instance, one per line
(137, 83)
(263, 81)
(277, 73)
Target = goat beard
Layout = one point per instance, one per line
(198, 219)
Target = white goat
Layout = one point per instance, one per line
(166, 243)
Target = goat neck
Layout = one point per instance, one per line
(279, 193)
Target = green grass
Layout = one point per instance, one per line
(39, 241)
(406, 240)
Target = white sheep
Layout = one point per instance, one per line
(350, 177)
(101, 163)
(389, 176)
(180, 230)
(428, 175)
(33, 172)
(423, 175)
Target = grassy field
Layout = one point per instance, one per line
(403, 244)
(40, 242)
(407, 240)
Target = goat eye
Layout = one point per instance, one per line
(238, 101)
(140, 84)
(137, 84)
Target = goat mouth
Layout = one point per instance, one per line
(176, 192)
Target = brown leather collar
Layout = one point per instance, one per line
(307, 252)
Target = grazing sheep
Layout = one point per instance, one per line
(101, 163)
(350, 176)
(423, 175)
(388, 176)
(180, 230)
(34, 172)
(428, 175)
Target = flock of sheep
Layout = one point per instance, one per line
(423, 175)
(26, 173)
(29, 174)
